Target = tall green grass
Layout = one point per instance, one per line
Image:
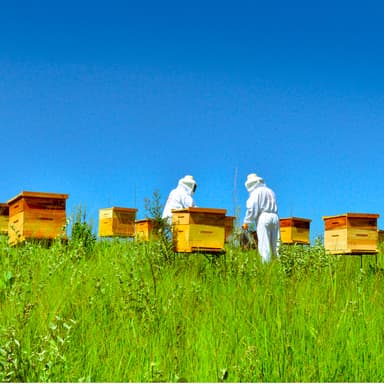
(128, 311)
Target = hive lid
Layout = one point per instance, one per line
(39, 195)
(201, 210)
(122, 209)
(351, 214)
(295, 218)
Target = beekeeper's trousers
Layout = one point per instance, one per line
(268, 234)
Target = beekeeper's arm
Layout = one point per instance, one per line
(252, 211)
(188, 201)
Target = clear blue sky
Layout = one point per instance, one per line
(109, 101)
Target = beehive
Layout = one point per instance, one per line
(351, 233)
(228, 227)
(198, 229)
(37, 215)
(380, 234)
(146, 229)
(294, 230)
(4, 218)
(117, 221)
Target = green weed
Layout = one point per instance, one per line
(128, 311)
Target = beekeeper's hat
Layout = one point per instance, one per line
(189, 181)
(253, 179)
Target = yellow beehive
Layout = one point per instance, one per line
(198, 229)
(294, 230)
(229, 223)
(146, 229)
(351, 233)
(4, 218)
(37, 215)
(117, 221)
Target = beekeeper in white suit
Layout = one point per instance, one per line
(262, 210)
(180, 197)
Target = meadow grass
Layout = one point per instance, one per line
(126, 311)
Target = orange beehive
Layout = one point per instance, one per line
(294, 230)
(198, 229)
(117, 221)
(351, 233)
(37, 215)
(4, 218)
(146, 229)
(228, 227)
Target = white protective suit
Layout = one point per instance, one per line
(180, 197)
(262, 209)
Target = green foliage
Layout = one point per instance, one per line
(82, 238)
(126, 313)
(154, 209)
(299, 260)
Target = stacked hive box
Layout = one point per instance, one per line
(117, 221)
(36, 215)
(146, 229)
(351, 233)
(198, 229)
(4, 218)
(294, 230)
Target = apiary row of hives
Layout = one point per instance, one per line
(41, 215)
(202, 229)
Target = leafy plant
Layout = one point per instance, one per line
(82, 237)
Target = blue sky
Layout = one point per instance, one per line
(110, 101)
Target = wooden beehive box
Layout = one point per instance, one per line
(37, 215)
(380, 236)
(198, 229)
(117, 221)
(228, 227)
(294, 230)
(351, 233)
(4, 218)
(146, 229)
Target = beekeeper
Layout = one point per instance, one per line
(180, 197)
(261, 209)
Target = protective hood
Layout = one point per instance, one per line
(188, 183)
(253, 181)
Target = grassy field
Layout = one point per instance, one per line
(127, 311)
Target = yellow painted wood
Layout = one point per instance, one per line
(194, 215)
(198, 229)
(345, 220)
(294, 230)
(340, 241)
(146, 229)
(292, 235)
(117, 221)
(37, 215)
(195, 237)
(351, 233)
